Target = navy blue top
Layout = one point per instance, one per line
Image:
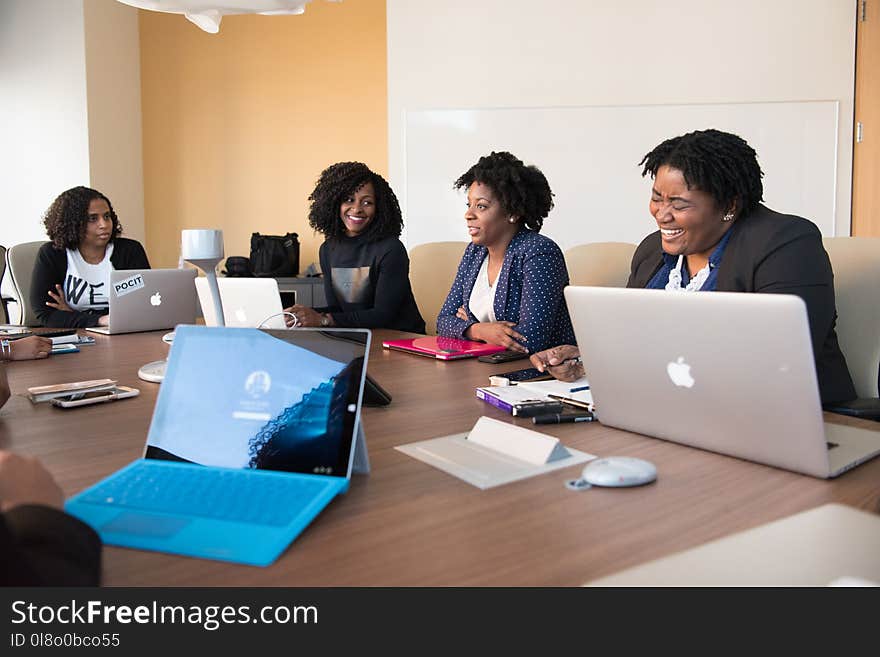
(661, 278)
(528, 292)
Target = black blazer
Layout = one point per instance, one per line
(50, 269)
(42, 546)
(775, 253)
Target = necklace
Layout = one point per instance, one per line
(674, 283)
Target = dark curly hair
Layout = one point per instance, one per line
(66, 218)
(339, 181)
(719, 163)
(523, 190)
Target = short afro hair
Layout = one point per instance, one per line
(66, 218)
(719, 163)
(523, 190)
(340, 180)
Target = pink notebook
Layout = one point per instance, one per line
(442, 348)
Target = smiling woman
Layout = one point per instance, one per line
(714, 234)
(365, 265)
(71, 275)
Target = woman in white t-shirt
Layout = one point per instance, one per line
(72, 272)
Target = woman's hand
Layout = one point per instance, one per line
(30, 348)
(305, 316)
(562, 362)
(58, 302)
(104, 320)
(462, 314)
(500, 333)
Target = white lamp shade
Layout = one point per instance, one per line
(201, 244)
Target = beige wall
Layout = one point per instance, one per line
(237, 126)
(114, 109)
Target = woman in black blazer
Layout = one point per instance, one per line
(714, 234)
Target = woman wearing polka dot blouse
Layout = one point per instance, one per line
(508, 289)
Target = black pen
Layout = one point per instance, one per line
(559, 418)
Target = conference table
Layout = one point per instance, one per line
(407, 523)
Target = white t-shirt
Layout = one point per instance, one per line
(86, 285)
(482, 299)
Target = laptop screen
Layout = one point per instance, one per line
(268, 399)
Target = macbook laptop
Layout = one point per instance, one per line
(723, 371)
(442, 348)
(149, 299)
(253, 302)
(253, 434)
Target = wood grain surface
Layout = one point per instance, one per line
(408, 524)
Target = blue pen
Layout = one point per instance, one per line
(580, 389)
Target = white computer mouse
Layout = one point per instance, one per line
(619, 471)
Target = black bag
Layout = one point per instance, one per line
(238, 267)
(275, 255)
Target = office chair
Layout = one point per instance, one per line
(4, 312)
(856, 264)
(432, 270)
(602, 264)
(20, 261)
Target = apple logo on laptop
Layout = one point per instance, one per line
(241, 315)
(680, 373)
(156, 299)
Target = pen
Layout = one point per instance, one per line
(579, 389)
(559, 418)
(570, 402)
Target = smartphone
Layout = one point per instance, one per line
(502, 357)
(87, 398)
(521, 376)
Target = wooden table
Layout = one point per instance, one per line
(408, 523)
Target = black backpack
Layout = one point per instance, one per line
(237, 267)
(275, 255)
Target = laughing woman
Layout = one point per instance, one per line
(715, 234)
(508, 289)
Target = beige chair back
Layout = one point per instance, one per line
(856, 264)
(432, 270)
(20, 260)
(603, 264)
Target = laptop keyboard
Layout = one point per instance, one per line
(232, 495)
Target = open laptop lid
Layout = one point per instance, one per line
(150, 299)
(253, 302)
(442, 348)
(723, 371)
(246, 398)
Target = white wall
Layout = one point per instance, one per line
(43, 111)
(561, 53)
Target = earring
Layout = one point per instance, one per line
(512, 220)
(727, 217)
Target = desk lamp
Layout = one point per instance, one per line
(204, 249)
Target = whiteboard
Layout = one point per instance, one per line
(590, 156)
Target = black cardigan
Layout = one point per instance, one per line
(782, 254)
(50, 269)
(40, 545)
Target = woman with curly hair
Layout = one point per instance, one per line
(365, 266)
(508, 289)
(71, 276)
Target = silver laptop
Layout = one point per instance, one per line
(247, 302)
(727, 372)
(149, 300)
